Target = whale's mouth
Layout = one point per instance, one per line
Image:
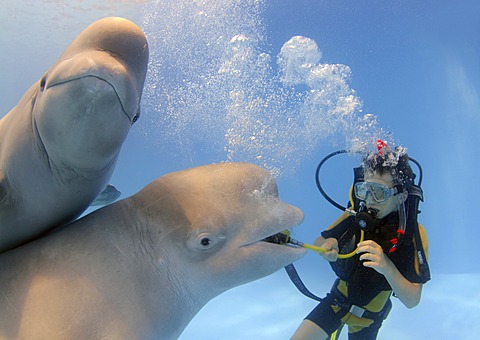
(282, 238)
(274, 232)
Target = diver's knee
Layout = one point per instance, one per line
(308, 330)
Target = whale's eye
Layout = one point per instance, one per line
(135, 118)
(206, 241)
(43, 82)
(3, 186)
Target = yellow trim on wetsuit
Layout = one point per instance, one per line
(339, 220)
(375, 305)
(354, 323)
(345, 214)
(424, 238)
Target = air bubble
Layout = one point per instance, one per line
(211, 81)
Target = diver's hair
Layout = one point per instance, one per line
(395, 163)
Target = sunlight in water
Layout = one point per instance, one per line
(211, 78)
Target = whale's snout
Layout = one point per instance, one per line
(123, 40)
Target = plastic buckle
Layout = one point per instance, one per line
(357, 311)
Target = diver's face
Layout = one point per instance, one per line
(391, 204)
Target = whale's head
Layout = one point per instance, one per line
(69, 127)
(208, 224)
(85, 104)
(111, 53)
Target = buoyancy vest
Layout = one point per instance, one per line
(365, 283)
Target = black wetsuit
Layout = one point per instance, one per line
(363, 286)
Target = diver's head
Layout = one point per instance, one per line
(379, 192)
(387, 177)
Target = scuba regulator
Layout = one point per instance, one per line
(365, 218)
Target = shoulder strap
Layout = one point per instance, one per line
(293, 274)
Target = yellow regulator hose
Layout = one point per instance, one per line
(323, 250)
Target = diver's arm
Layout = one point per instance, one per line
(407, 292)
(331, 246)
(374, 257)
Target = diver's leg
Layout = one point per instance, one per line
(322, 321)
(367, 333)
(308, 330)
(370, 332)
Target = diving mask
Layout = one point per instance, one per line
(379, 192)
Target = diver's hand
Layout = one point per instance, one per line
(331, 247)
(374, 257)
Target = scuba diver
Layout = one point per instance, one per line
(386, 245)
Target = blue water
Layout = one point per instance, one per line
(282, 84)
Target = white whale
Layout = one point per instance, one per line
(142, 267)
(59, 144)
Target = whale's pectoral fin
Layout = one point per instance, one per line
(3, 186)
(107, 196)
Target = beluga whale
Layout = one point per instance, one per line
(142, 267)
(59, 144)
